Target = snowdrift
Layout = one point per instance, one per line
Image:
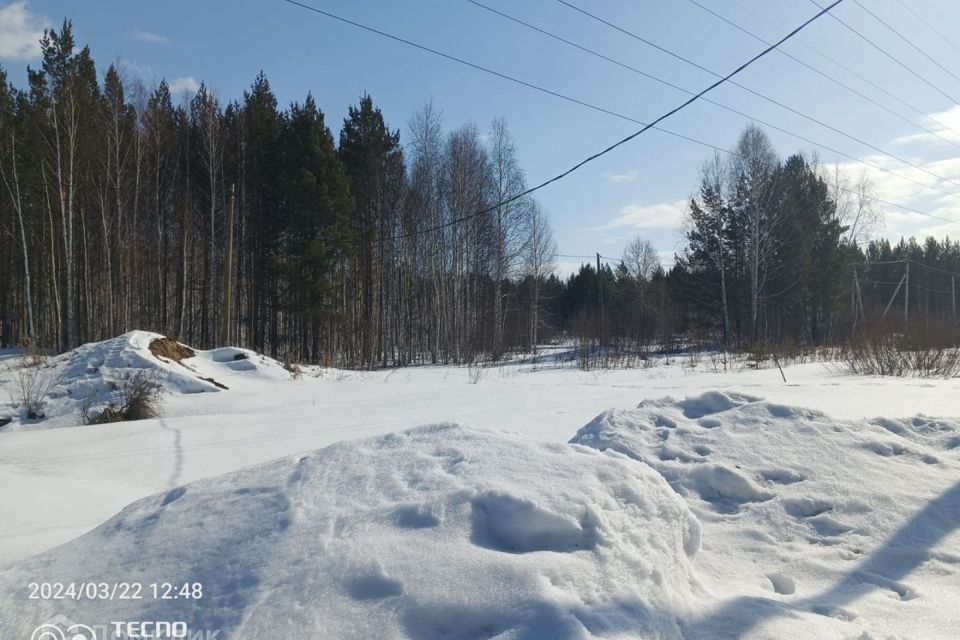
(436, 533)
(812, 527)
(717, 516)
(86, 373)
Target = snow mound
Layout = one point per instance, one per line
(812, 527)
(87, 373)
(436, 533)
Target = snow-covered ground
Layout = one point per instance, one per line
(827, 509)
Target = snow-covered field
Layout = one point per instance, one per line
(823, 507)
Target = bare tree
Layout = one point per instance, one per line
(207, 114)
(754, 169)
(13, 189)
(62, 136)
(856, 204)
(539, 263)
(640, 260)
(507, 183)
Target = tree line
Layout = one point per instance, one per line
(242, 222)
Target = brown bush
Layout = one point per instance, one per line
(294, 370)
(881, 349)
(135, 396)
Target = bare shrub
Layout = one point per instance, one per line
(133, 396)
(35, 380)
(475, 371)
(718, 361)
(879, 350)
(294, 370)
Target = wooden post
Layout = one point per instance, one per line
(894, 296)
(857, 300)
(228, 271)
(953, 292)
(853, 299)
(863, 316)
(906, 298)
(600, 285)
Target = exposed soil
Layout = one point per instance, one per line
(169, 349)
(214, 383)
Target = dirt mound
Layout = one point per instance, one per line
(170, 349)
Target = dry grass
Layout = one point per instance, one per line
(35, 380)
(170, 349)
(135, 396)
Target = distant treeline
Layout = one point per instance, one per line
(245, 223)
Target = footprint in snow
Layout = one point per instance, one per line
(806, 507)
(417, 516)
(502, 522)
(374, 586)
(782, 584)
(782, 476)
(831, 611)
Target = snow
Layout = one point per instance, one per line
(86, 374)
(439, 532)
(848, 527)
(813, 516)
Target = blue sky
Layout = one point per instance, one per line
(639, 188)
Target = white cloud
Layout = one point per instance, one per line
(565, 268)
(148, 36)
(664, 215)
(143, 71)
(666, 258)
(623, 177)
(907, 193)
(20, 31)
(186, 84)
(945, 126)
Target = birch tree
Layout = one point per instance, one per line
(539, 263)
(754, 167)
(507, 182)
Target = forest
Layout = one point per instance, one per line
(241, 222)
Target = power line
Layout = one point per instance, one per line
(737, 84)
(922, 265)
(609, 112)
(869, 262)
(886, 53)
(856, 74)
(561, 255)
(929, 268)
(928, 25)
(822, 124)
(589, 159)
(745, 115)
(905, 39)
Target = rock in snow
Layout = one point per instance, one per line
(718, 516)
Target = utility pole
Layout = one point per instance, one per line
(228, 270)
(853, 299)
(906, 298)
(603, 331)
(857, 300)
(894, 296)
